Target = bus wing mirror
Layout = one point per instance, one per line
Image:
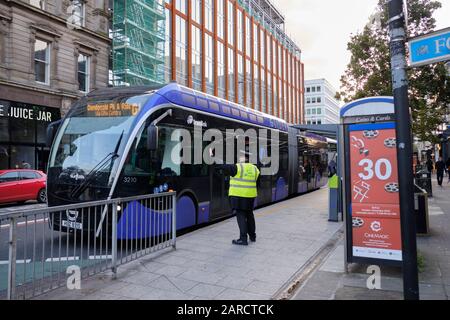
(52, 128)
(152, 137)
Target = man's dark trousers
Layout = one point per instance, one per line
(440, 177)
(246, 223)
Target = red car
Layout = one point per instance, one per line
(22, 185)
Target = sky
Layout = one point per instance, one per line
(322, 29)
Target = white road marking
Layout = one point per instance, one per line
(100, 257)
(17, 261)
(62, 259)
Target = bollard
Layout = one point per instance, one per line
(333, 185)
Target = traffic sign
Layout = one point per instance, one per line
(430, 48)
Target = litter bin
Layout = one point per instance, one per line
(423, 181)
(333, 185)
(421, 210)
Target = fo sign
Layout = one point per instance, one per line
(375, 206)
(430, 48)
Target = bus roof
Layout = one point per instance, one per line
(197, 100)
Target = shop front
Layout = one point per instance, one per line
(23, 133)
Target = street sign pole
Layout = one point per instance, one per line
(404, 148)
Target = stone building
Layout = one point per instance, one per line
(51, 53)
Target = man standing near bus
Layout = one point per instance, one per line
(243, 192)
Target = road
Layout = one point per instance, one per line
(44, 252)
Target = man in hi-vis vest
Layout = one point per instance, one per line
(243, 192)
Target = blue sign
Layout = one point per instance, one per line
(430, 48)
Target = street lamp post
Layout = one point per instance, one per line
(404, 148)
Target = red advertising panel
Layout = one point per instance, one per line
(375, 206)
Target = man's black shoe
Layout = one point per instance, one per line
(240, 242)
(253, 239)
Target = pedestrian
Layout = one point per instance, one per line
(440, 169)
(243, 192)
(430, 166)
(332, 168)
(447, 164)
(26, 165)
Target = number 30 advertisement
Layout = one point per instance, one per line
(375, 204)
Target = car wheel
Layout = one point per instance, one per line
(42, 196)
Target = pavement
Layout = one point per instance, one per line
(293, 237)
(331, 282)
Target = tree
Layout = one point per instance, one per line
(368, 73)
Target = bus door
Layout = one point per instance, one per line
(219, 193)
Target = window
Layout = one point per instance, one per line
(181, 50)
(9, 177)
(319, 100)
(168, 48)
(209, 14)
(256, 42)
(180, 5)
(209, 65)
(240, 28)
(308, 89)
(231, 82)
(313, 111)
(313, 89)
(318, 89)
(319, 121)
(196, 10)
(313, 100)
(79, 12)
(308, 100)
(220, 18)
(38, 3)
(248, 38)
(319, 111)
(29, 175)
(230, 23)
(42, 61)
(308, 111)
(83, 73)
(196, 58)
(221, 69)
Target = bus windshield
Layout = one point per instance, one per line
(87, 147)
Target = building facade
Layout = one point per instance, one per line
(51, 53)
(321, 106)
(234, 49)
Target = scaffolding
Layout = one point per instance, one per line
(138, 42)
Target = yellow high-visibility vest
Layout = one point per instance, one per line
(243, 184)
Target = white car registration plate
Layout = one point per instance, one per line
(73, 225)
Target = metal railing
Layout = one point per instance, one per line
(45, 249)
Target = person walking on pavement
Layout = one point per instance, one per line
(243, 192)
(447, 164)
(440, 169)
(430, 166)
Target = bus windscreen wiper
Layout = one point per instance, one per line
(98, 168)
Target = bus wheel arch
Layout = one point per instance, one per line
(187, 209)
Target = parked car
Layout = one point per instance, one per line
(22, 185)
